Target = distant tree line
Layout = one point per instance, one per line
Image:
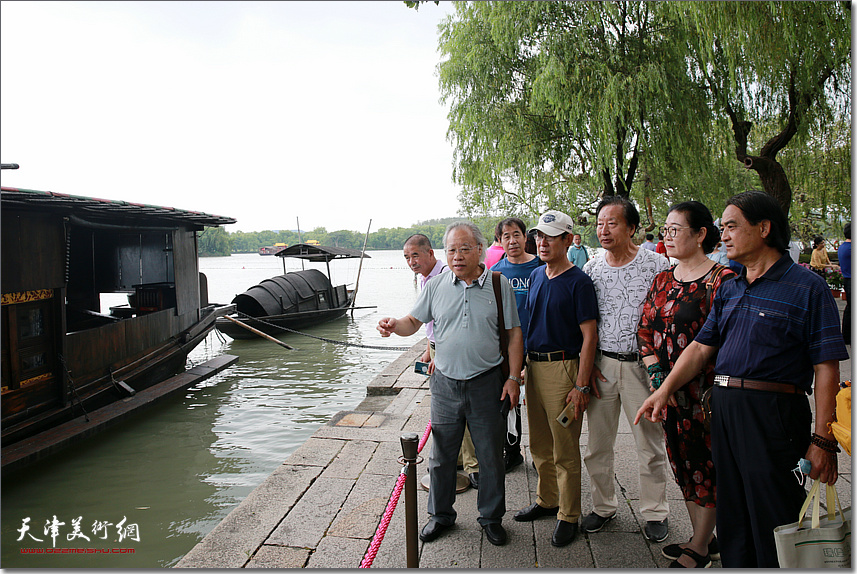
(217, 242)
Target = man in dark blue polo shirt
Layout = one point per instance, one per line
(560, 347)
(776, 326)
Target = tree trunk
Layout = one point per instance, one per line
(774, 180)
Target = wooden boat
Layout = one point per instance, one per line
(272, 249)
(62, 355)
(292, 300)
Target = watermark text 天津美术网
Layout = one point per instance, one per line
(97, 531)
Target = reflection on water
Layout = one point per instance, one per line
(177, 469)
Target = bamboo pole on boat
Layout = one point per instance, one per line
(360, 268)
(260, 333)
(301, 240)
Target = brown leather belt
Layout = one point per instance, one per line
(739, 383)
(552, 356)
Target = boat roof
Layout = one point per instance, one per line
(319, 252)
(109, 208)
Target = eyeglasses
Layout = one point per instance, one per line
(671, 231)
(549, 238)
(465, 250)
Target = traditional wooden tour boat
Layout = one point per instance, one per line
(292, 300)
(69, 368)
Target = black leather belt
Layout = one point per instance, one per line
(621, 356)
(738, 383)
(552, 356)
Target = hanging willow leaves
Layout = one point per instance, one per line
(553, 104)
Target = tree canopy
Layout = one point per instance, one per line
(554, 104)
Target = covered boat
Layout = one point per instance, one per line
(64, 357)
(292, 300)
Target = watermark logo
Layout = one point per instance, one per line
(75, 530)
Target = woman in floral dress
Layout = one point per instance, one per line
(674, 312)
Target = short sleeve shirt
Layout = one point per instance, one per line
(844, 253)
(578, 255)
(557, 307)
(466, 324)
(439, 267)
(518, 275)
(621, 292)
(775, 329)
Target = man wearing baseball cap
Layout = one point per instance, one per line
(561, 339)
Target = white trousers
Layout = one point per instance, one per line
(626, 388)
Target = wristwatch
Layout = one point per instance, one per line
(516, 379)
(585, 390)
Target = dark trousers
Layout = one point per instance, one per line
(846, 318)
(757, 439)
(476, 402)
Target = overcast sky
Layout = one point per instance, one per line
(262, 111)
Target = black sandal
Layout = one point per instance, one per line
(701, 561)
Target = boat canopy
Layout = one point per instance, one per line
(306, 290)
(319, 253)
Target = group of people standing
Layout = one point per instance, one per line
(625, 332)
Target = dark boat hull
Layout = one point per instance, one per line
(291, 301)
(275, 325)
(157, 364)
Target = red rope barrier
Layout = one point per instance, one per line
(391, 506)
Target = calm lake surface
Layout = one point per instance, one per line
(177, 469)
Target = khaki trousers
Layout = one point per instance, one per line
(626, 388)
(555, 449)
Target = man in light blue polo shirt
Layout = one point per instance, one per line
(467, 385)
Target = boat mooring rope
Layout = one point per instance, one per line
(391, 506)
(326, 340)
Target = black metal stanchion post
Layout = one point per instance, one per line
(409, 451)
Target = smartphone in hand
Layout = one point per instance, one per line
(568, 414)
(505, 406)
(421, 368)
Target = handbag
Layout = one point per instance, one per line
(841, 425)
(826, 544)
(504, 336)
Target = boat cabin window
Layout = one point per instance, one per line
(118, 274)
(28, 348)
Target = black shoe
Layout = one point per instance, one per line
(674, 551)
(495, 533)
(564, 533)
(432, 530)
(657, 531)
(474, 480)
(513, 459)
(534, 511)
(595, 522)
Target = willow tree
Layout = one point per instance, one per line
(786, 64)
(546, 97)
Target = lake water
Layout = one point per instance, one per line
(177, 469)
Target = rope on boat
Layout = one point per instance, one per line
(391, 506)
(326, 340)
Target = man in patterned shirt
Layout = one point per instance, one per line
(622, 277)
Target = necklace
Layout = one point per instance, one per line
(690, 273)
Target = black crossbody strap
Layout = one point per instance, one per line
(504, 337)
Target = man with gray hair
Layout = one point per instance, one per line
(467, 385)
